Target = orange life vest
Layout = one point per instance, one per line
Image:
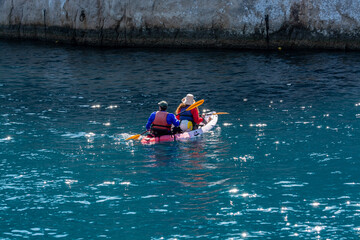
(160, 121)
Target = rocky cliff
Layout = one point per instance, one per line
(326, 24)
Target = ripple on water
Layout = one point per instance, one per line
(290, 184)
(108, 198)
(74, 135)
(7, 139)
(282, 165)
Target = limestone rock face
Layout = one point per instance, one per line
(327, 24)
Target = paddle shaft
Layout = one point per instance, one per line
(219, 113)
(144, 132)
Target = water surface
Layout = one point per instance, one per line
(283, 164)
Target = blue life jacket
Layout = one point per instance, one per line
(186, 115)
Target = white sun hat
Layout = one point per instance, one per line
(189, 99)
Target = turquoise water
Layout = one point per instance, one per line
(282, 165)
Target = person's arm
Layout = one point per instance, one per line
(150, 121)
(171, 119)
(196, 117)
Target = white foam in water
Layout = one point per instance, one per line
(90, 135)
(234, 190)
(218, 182)
(70, 181)
(21, 231)
(352, 183)
(106, 183)
(46, 150)
(107, 198)
(83, 202)
(290, 184)
(74, 135)
(125, 183)
(227, 223)
(258, 125)
(111, 107)
(150, 196)
(315, 204)
(318, 228)
(96, 106)
(7, 139)
(123, 136)
(93, 122)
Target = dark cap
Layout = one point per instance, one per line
(163, 104)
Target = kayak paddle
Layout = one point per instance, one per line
(135, 136)
(192, 106)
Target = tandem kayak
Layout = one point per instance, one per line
(211, 119)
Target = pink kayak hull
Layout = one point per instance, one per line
(165, 138)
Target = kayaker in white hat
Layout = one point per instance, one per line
(188, 119)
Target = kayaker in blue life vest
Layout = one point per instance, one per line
(159, 123)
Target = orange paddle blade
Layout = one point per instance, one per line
(194, 105)
(136, 136)
(133, 137)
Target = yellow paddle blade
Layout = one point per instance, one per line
(194, 105)
(219, 113)
(133, 137)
